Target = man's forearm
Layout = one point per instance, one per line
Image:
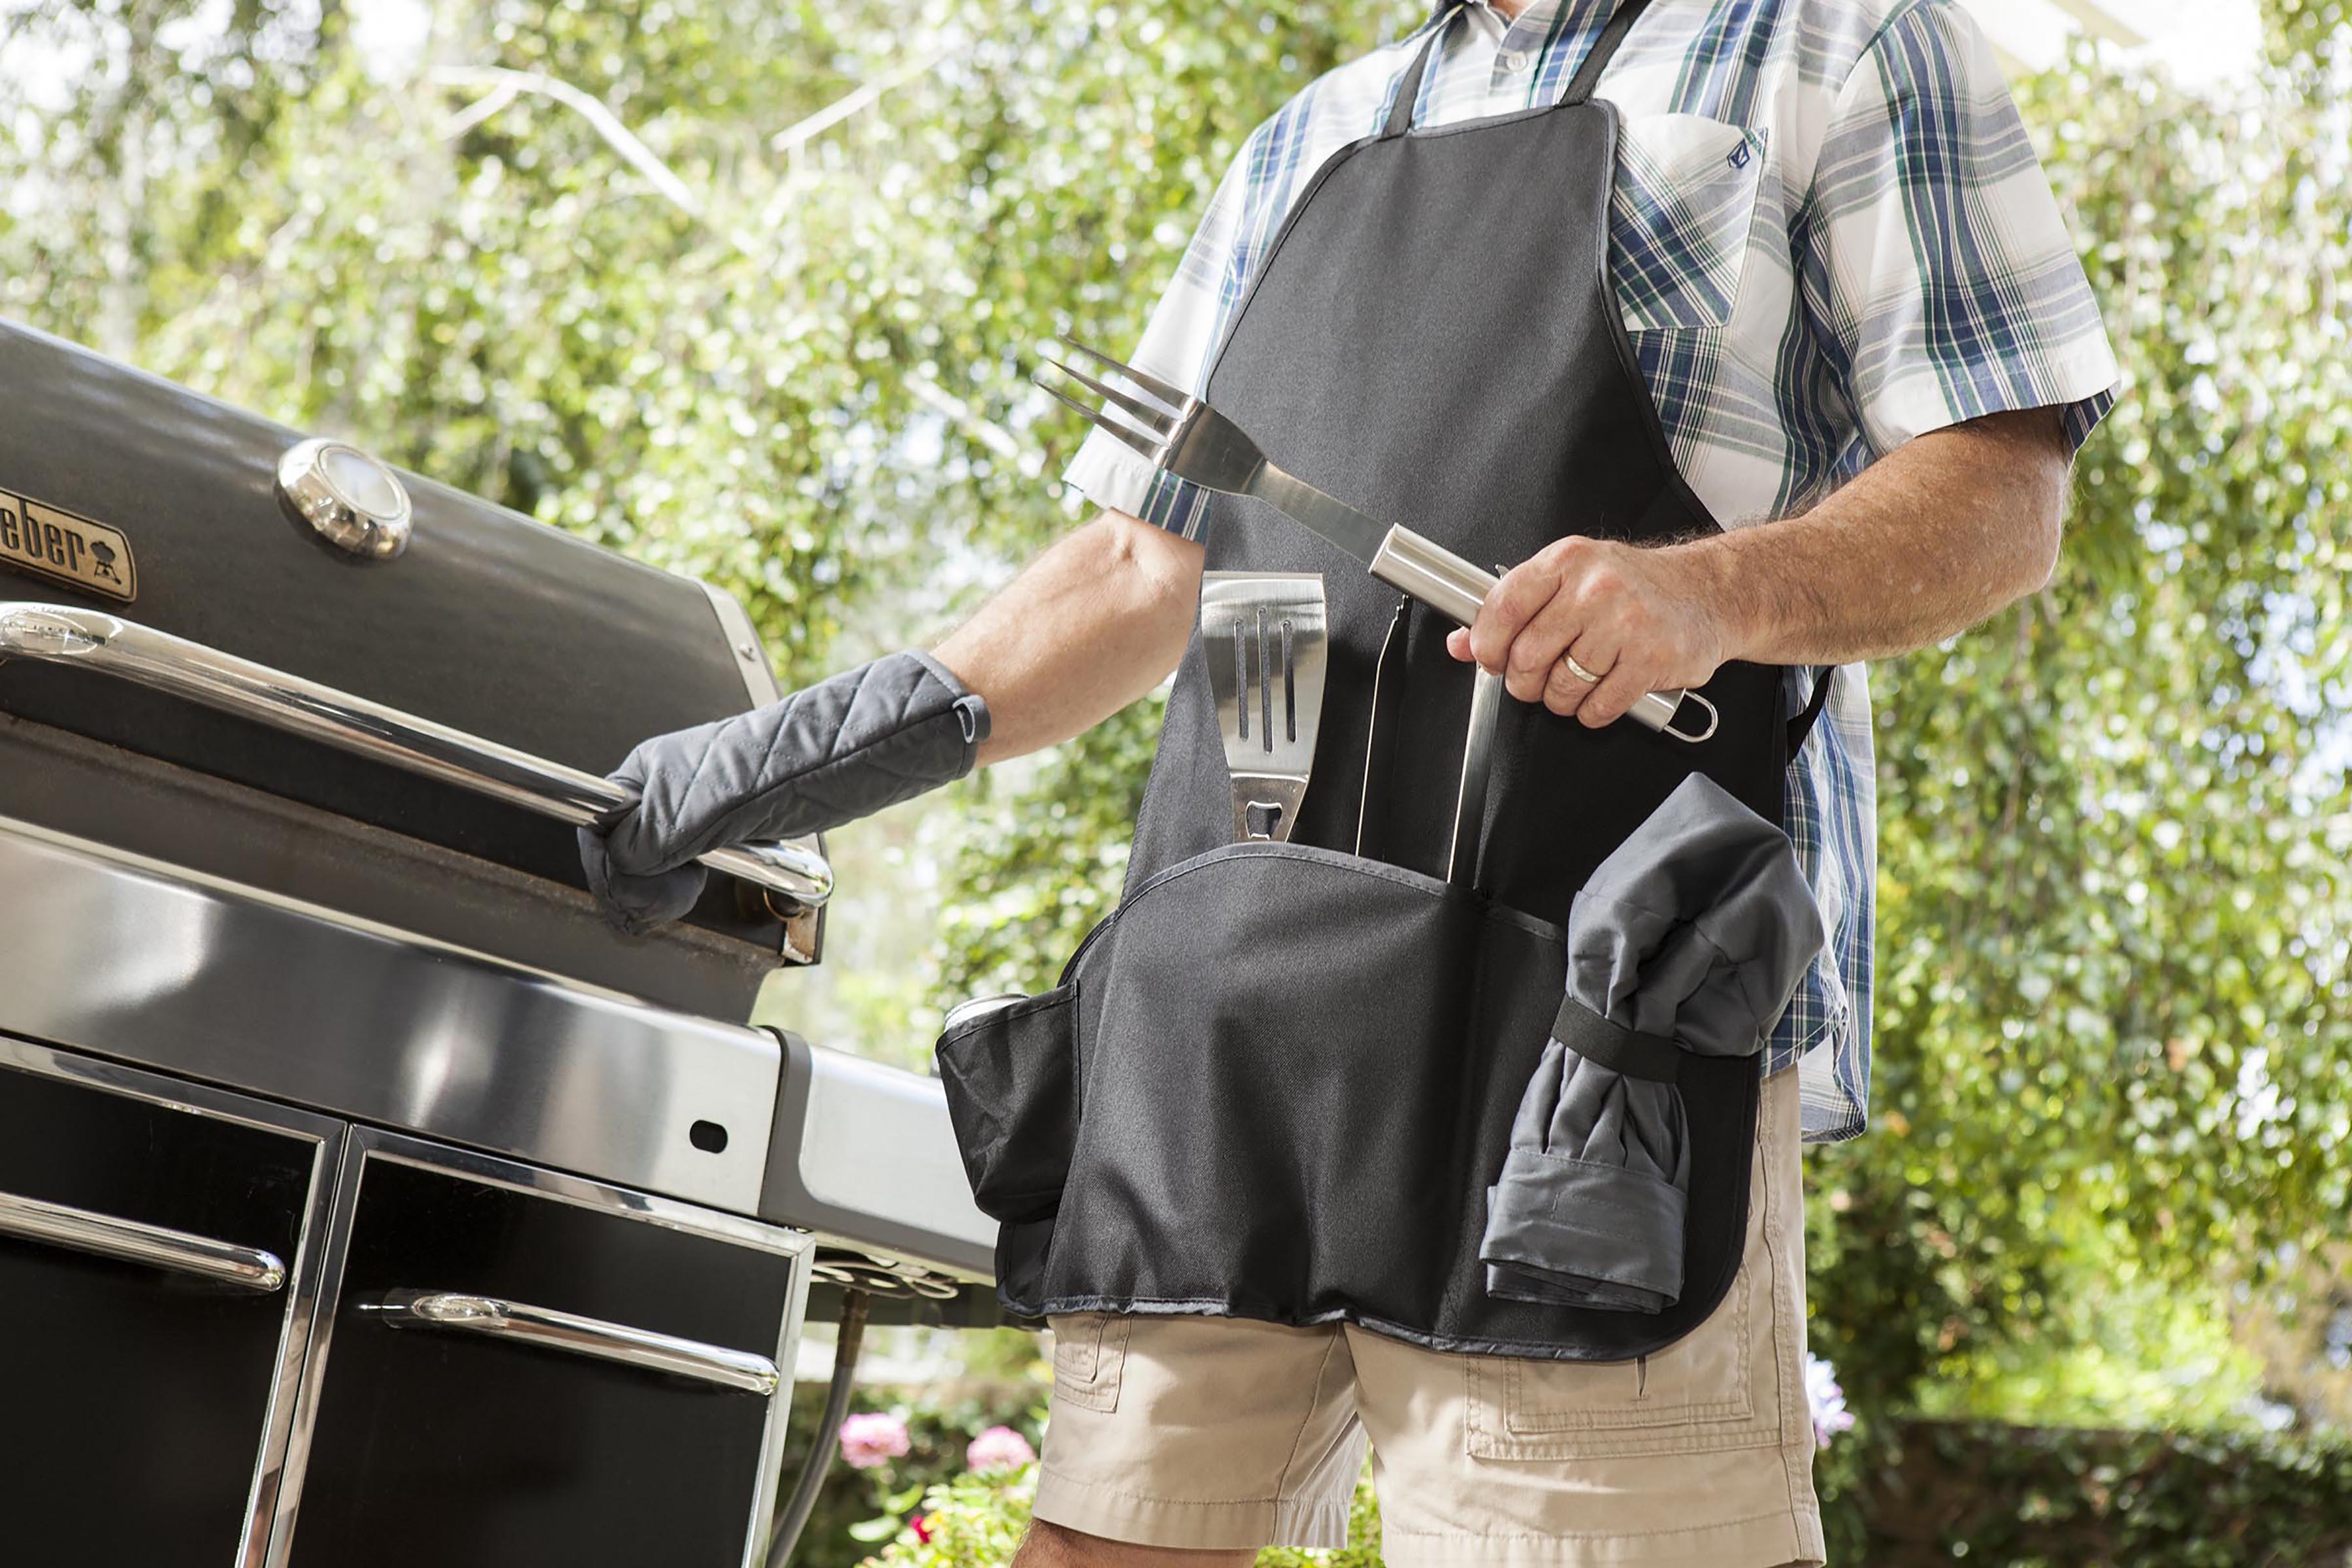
(1930, 538)
(1095, 622)
(1923, 544)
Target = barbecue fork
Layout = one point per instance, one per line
(1190, 439)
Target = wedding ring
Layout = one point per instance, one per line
(1578, 670)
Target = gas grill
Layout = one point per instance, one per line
(354, 1176)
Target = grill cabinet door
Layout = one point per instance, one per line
(155, 1298)
(455, 1427)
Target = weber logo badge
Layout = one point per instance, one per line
(74, 550)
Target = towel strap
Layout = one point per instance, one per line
(1613, 1045)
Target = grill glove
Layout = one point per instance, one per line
(843, 748)
(1697, 930)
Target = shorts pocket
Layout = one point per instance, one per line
(1009, 1077)
(1090, 1359)
(1697, 1393)
(1680, 213)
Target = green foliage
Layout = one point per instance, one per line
(973, 1521)
(2008, 1497)
(1989, 1493)
(2113, 1030)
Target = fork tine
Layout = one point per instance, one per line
(1104, 422)
(1173, 397)
(1153, 418)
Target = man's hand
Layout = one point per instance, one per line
(1637, 620)
(1926, 543)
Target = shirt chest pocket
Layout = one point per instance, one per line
(1680, 215)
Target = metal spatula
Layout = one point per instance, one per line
(1268, 644)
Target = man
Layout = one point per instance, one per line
(1863, 341)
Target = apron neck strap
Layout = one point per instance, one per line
(1408, 86)
(1579, 88)
(1604, 49)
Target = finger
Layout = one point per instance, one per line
(1510, 604)
(1617, 691)
(1564, 690)
(1457, 643)
(1535, 652)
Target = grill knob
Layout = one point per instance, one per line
(354, 501)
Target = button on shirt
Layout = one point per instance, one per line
(1829, 234)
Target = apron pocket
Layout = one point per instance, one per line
(1010, 1080)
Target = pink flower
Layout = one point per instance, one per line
(922, 1528)
(999, 1448)
(871, 1439)
(1822, 1391)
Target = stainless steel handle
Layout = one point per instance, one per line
(568, 1332)
(1416, 564)
(129, 1241)
(59, 634)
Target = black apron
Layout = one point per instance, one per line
(1277, 1080)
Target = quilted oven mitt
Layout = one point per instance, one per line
(843, 748)
(1692, 935)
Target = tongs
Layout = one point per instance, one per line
(1185, 437)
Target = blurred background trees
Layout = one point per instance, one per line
(749, 288)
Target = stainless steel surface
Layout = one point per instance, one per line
(352, 500)
(883, 1276)
(548, 1328)
(1192, 440)
(864, 1156)
(1478, 767)
(743, 642)
(207, 827)
(1417, 565)
(92, 639)
(1267, 644)
(1412, 563)
(270, 1478)
(129, 1241)
(368, 1144)
(109, 953)
(803, 920)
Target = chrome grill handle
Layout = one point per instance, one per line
(795, 870)
(133, 1241)
(548, 1328)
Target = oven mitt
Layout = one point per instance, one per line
(843, 748)
(1691, 937)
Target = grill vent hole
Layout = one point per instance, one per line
(708, 1137)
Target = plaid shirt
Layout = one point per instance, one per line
(1829, 234)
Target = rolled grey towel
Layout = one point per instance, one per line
(843, 748)
(1696, 930)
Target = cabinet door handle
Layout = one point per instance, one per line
(546, 1327)
(133, 1242)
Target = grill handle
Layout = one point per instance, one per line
(132, 1241)
(460, 1312)
(58, 634)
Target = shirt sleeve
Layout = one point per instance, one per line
(1938, 279)
(1175, 347)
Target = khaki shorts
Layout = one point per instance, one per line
(1228, 1433)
